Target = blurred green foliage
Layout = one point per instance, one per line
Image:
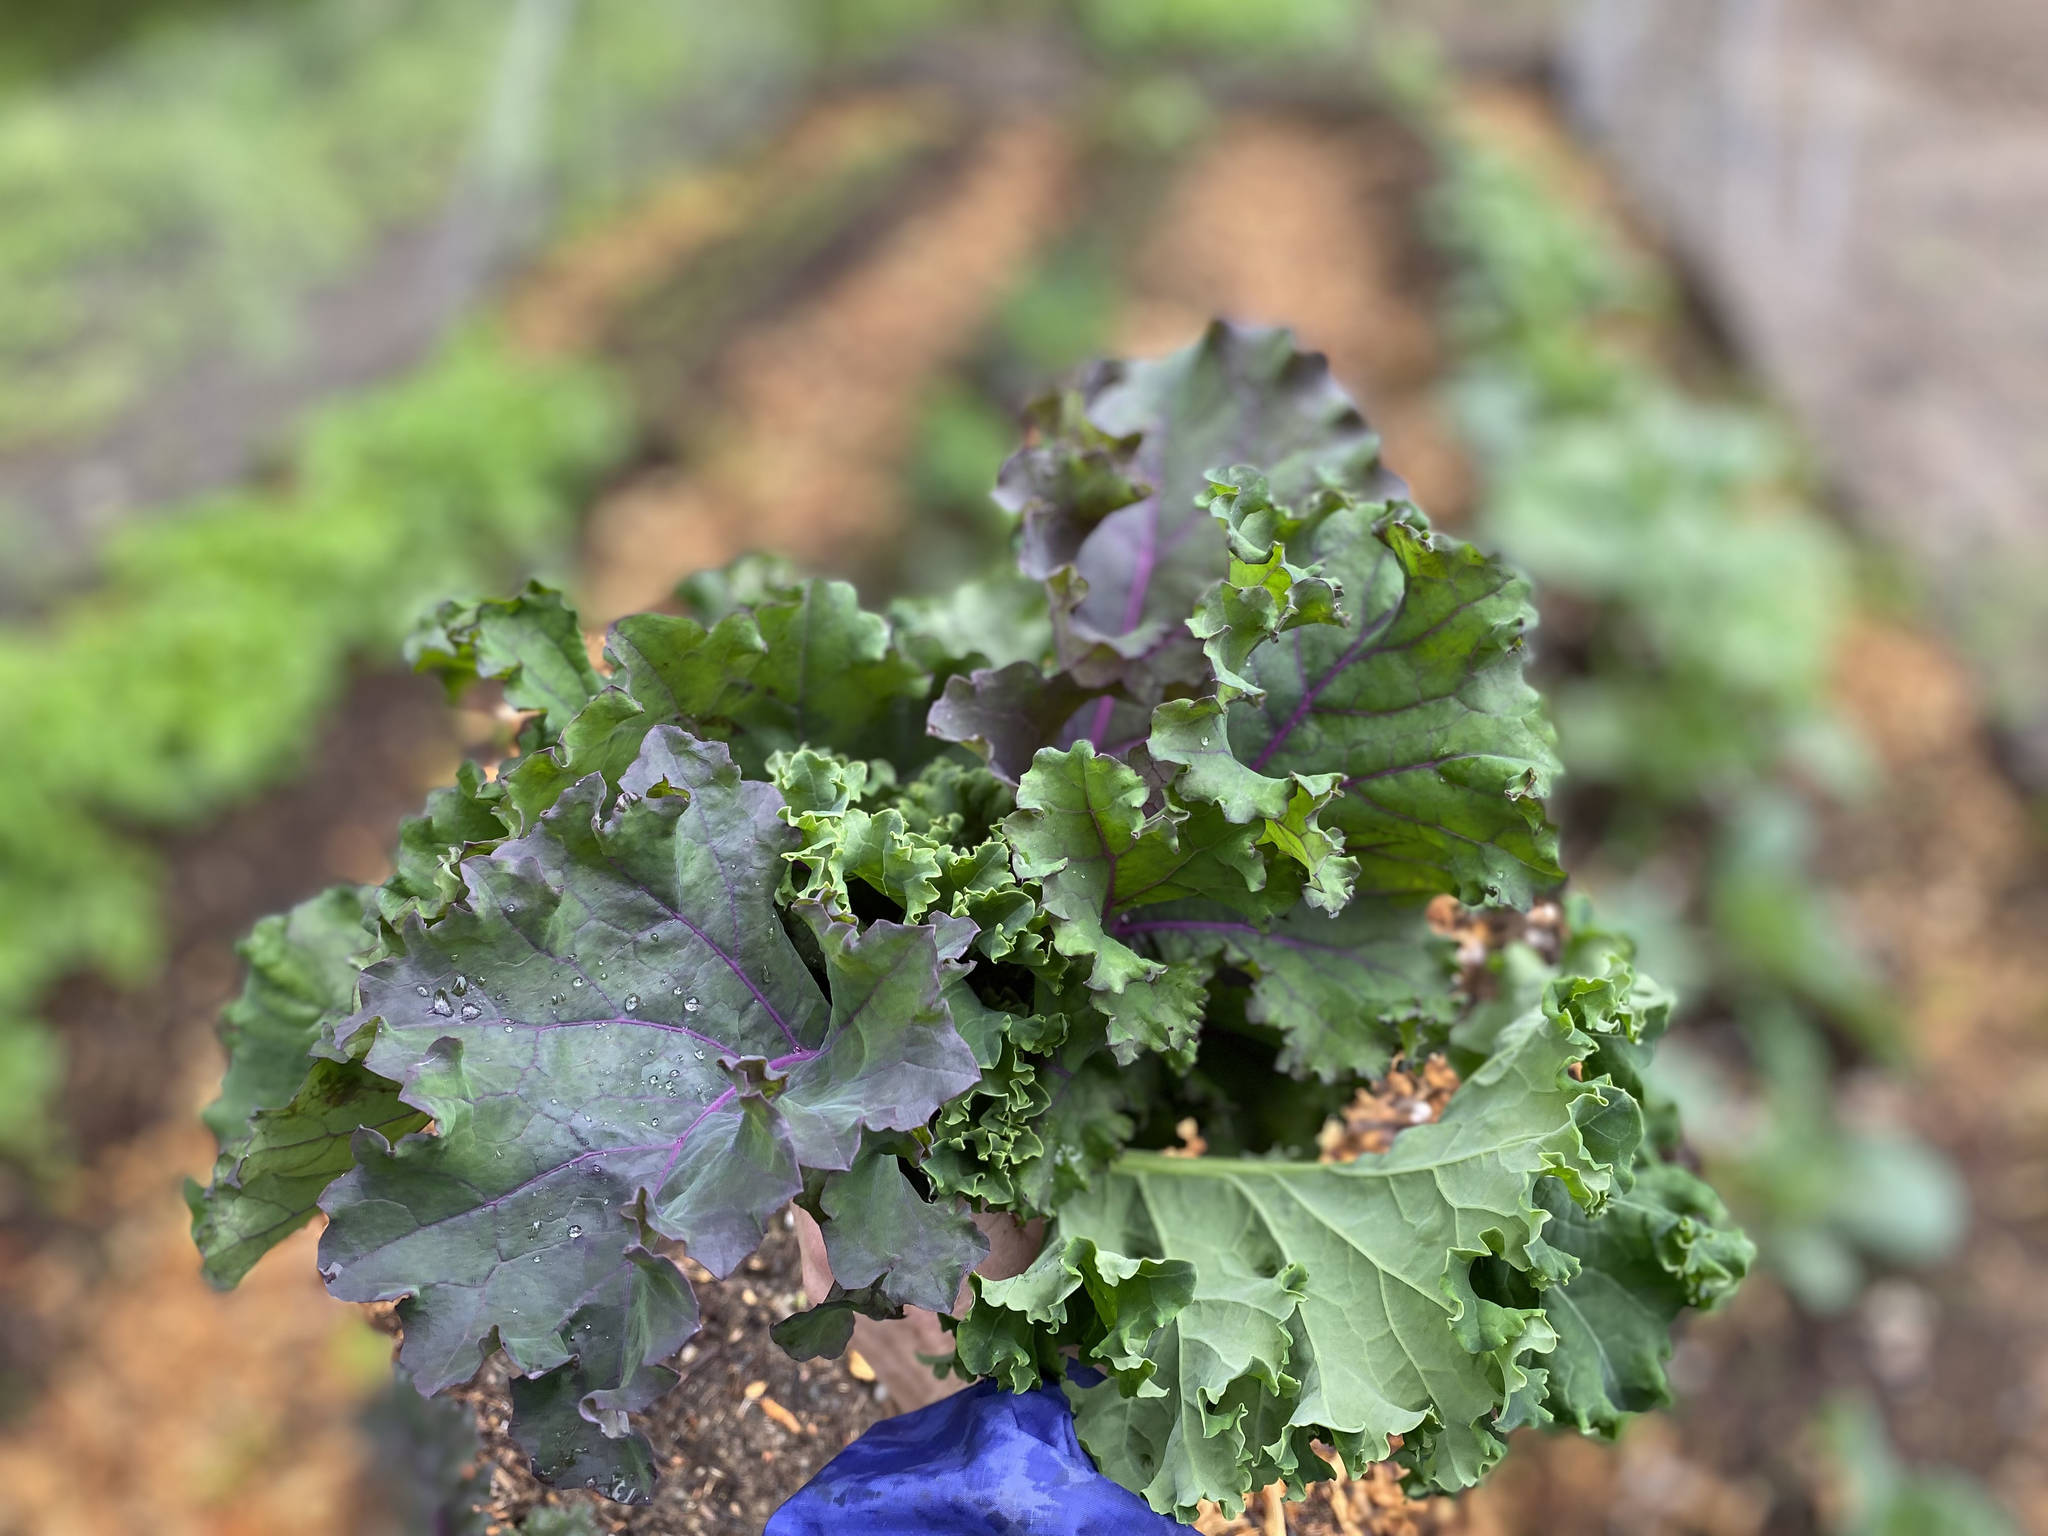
(198, 671)
(1881, 1496)
(1694, 605)
(41, 43)
(1266, 32)
(191, 191)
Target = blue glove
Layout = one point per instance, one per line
(980, 1463)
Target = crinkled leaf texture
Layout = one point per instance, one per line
(617, 1041)
(1418, 704)
(1345, 991)
(1334, 1302)
(1462, 1282)
(911, 917)
(532, 643)
(1108, 495)
(1663, 1247)
(1223, 549)
(284, 1131)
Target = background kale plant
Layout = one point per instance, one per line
(962, 909)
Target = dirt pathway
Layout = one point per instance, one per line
(149, 1403)
(1312, 225)
(178, 1412)
(816, 409)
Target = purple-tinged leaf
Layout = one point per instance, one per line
(1006, 714)
(1126, 573)
(616, 1039)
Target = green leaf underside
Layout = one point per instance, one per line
(302, 968)
(1334, 1302)
(1663, 1247)
(269, 1185)
(284, 1125)
(1345, 992)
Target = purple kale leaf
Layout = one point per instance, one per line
(1108, 503)
(618, 1042)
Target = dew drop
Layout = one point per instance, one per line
(508, 1029)
(511, 906)
(470, 1010)
(461, 983)
(679, 991)
(536, 1258)
(700, 1055)
(442, 1006)
(673, 1072)
(575, 1231)
(577, 982)
(690, 1005)
(536, 1226)
(653, 1122)
(632, 1001)
(421, 990)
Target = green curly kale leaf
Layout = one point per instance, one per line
(974, 908)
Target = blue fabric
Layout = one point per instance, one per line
(980, 1463)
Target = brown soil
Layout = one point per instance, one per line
(176, 1411)
(160, 1406)
(746, 1426)
(816, 407)
(1313, 224)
